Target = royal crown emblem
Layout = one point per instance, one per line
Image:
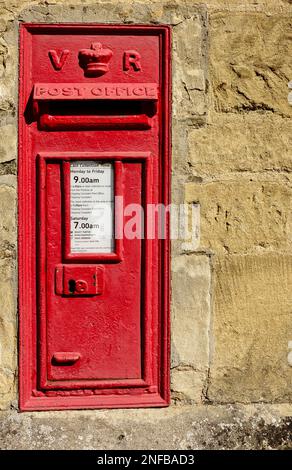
(94, 61)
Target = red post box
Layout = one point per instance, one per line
(93, 149)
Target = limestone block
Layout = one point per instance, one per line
(7, 388)
(187, 385)
(8, 143)
(8, 332)
(240, 215)
(8, 76)
(252, 325)
(190, 311)
(180, 151)
(241, 143)
(6, 16)
(189, 80)
(7, 214)
(109, 11)
(249, 62)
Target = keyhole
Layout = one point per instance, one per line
(72, 286)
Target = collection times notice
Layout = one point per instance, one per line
(92, 207)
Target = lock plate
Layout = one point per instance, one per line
(76, 280)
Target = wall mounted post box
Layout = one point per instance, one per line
(93, 149)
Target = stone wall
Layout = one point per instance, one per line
(231, 295)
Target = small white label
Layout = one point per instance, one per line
(92, 207)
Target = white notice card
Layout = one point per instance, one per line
(92, 207)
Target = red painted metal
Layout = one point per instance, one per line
(95, 91)
(78, 279)
(48, 122)
(94, 327)
(66, 357)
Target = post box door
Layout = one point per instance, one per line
(90, 312)
(93, 165)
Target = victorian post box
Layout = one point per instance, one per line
(93, 157)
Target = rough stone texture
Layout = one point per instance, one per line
(252, 143)
(251, 328)
(187, 427)
(240, 175)
(249, 62)
(190, 315)
(7, 212)
(8, 143)
(8, 330)
(188, 73)
(8, 71)
(240, 215)
(8, 168)
(188, 385)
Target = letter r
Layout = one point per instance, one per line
(132, 59)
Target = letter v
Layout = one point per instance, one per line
(58, 61)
